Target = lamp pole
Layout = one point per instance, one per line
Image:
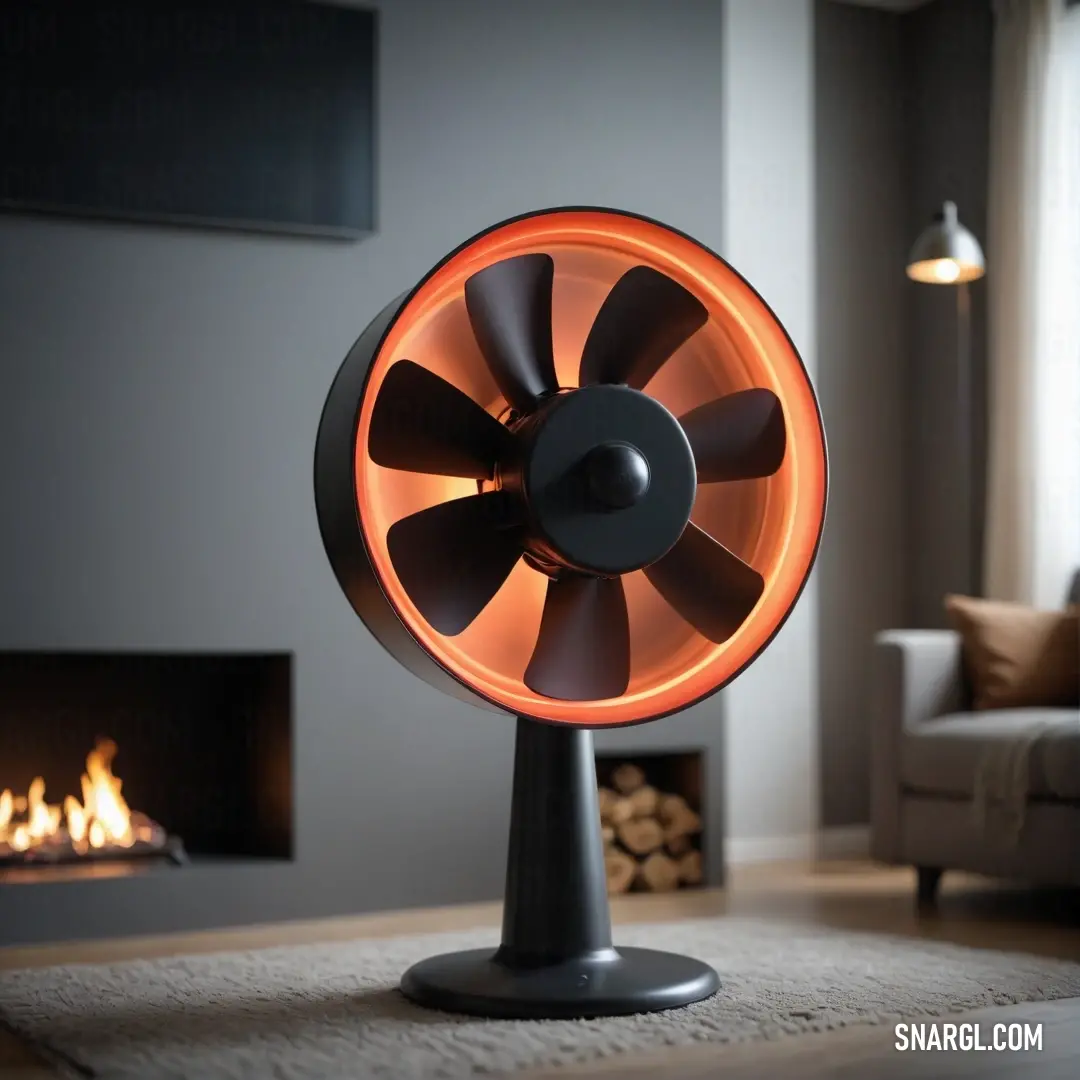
(965, 433)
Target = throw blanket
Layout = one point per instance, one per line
(1003, 780)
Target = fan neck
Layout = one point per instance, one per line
(556, 893)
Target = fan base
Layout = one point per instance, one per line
(611, 982)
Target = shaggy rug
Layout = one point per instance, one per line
(332, 1012)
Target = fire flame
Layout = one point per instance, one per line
(101, 820)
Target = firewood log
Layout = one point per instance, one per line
(614, 808)
(627, 778)
(620, 869)
(641, 835)
(659, 873)
(608, 833)
(686, 823)
(677, 845)
(691, 871)
(671, 807)
(644, 801)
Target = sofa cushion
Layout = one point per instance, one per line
(943, 756)
(1016, 656)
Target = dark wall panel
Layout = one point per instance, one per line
(255, 115)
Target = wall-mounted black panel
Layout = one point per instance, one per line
(255, 114)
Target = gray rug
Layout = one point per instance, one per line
(331, 1012)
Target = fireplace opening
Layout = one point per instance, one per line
(136, 758)
(652, 819)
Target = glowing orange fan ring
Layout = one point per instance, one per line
(773, 524)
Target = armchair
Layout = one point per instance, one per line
(928, 748)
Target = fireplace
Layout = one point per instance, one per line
(653, 821)
(112, 761)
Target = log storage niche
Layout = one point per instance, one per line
(652, 821)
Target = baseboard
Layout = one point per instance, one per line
(753, 849)
(843, 842)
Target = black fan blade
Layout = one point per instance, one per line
(423, 424)
(453, 557)
(738, 437)
(644, 319)
(509, 306)
(709, 586)
(583, 651)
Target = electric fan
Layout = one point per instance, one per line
(577, 475)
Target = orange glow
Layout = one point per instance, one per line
(773, 524)
(102, 820)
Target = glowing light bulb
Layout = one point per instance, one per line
(946, 270)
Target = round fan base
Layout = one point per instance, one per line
(612, 982)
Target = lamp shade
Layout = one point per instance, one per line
(946, 253)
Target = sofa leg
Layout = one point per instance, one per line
(929, 877)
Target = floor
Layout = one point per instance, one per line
(846, 895)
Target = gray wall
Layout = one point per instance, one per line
(862, 241)
(161, 392)
(947, 50)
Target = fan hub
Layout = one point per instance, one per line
(618, 475)
(609, 479)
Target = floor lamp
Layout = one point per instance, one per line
(946, 253)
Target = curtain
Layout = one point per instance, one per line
(1033, 281)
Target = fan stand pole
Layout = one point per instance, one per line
(556, 960)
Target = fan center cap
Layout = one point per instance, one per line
(618, 474)
(608, 477)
